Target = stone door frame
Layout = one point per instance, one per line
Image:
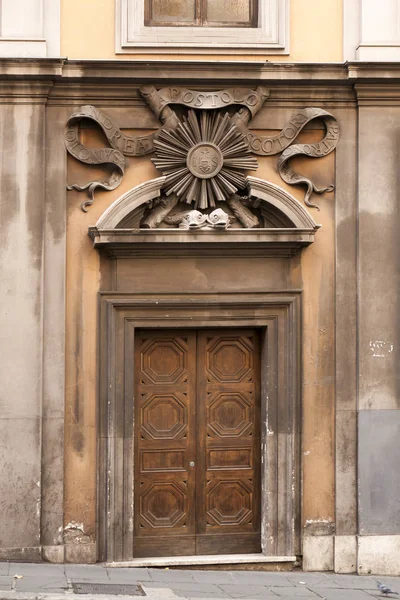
(278, 316)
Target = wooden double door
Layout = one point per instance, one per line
(197, 442)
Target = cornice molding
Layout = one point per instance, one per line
(116, 82)
(179, 70)
(29, 92)
(373, 70)
(115, 93)
(298, 92)
(126, 243)
(32, 67)
(376, 94)
(156, 69)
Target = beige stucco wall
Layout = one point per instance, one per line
(83, 284)
(316, 31)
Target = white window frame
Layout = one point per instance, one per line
(360, 40)
(271, 37)
(47, 44)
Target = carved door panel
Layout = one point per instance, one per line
(164, 484)
(197, 442)
(228, 474)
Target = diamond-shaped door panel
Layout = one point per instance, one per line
(163, 360)
(164, 504)
(230, 360)
(229, 502)
(164, 416)
(230, 414)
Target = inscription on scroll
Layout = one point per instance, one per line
(174, 130)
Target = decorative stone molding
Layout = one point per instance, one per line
(243, 214)
(203, 154)
(127, 203)
(219, 219)
(194, 219)
(260, 189)
(119, 314)
(203, 161)
(271, 36)
(143, 221)
(282, 200)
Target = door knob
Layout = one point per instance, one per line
(191, 464)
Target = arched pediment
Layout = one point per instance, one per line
(126, 204)
(267, 218)
(285, 203)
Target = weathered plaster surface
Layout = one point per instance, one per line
(379, 280)
(346, 325)
(318, 553)
(20, 482)
(318, 362)
(379, 554)
(54, 335)
(379, 258)
(345, 554)
(82, 285)
(379, 479)
(31, 320)
(21, 215)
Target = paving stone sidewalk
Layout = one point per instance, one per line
(28, 581)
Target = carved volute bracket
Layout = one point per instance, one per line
(206, 153)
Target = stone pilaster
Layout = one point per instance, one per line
(22, 173)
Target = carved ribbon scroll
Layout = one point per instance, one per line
(159, 101)
(268, 146)
(123, 145)
(120, 143)
(251, 99)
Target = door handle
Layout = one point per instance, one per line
(191, 464)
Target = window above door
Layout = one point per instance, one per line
(202, 26)
(201, 13)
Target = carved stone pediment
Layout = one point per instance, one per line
(267, 220)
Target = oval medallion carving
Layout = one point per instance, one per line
(205, 160)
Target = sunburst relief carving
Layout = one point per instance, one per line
(203, 159)
(203, 156)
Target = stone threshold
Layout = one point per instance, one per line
(219, 559)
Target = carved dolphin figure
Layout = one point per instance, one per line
(194, 219)
(219, 219)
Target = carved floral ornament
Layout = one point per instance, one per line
(204, 155)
